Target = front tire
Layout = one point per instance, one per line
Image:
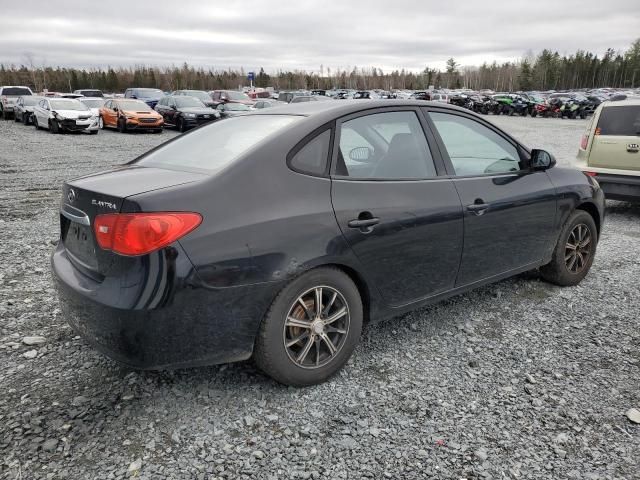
(54, 127)
(122, 126)
(311, 328)
(574, 253)
(180, 125)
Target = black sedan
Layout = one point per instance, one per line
(279, 233)
(184, 112)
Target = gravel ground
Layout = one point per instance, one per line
(520, 379)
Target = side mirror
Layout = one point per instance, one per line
(360, 154)
(541, 160)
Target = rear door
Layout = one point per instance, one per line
(402, 221)
(616, 140)
(509, 210)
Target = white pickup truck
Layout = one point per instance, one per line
(8, 97)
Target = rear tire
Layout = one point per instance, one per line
(100, 123)
(574, 253)
(321, 349)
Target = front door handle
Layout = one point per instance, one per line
(364, 224)
(478, 208)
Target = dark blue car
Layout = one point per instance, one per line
(150, 96)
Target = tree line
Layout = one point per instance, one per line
(546, 71)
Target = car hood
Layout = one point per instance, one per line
(135, 113)
(74, 113)
(198, 110)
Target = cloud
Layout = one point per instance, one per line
(276, 35)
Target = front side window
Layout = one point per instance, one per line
(312, 158)
(384, 146)
(473, 148)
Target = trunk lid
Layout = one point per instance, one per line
(87, 197)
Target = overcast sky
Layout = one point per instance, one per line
(304, 34)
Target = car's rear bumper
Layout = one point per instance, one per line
(160, 317)
(619, 187)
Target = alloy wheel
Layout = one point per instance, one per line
(578, 248)
(316, 327)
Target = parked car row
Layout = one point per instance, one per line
(152, 109)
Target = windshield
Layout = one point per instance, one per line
(236, 106)
(148, 93)
(212, 148)
(93, 103)
(133, 105)
(238, 96)
(31, 100)
(91, 93)
(204, 96)
(189, 102)
(67, 105)
(15, 91)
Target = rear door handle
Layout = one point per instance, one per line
(365, 224)
(478, 208)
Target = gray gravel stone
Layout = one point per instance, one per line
(33, 340)
(431, 409)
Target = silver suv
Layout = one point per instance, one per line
(8, 97)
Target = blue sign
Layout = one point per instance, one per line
(251, 76)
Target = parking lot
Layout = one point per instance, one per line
(520, 379)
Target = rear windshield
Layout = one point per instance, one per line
(17, 91)
(148, 92)
(622, 120)
(91, 93)
(211, 148)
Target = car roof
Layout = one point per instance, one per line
(335, 108)
(619, 103)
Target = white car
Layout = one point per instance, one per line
(64, 114)
(94, 104)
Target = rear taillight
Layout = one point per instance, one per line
(142, 233)
(590, 174)
(584, 142)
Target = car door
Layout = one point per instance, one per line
(162, 108)
(402, 220)
(616, 143)
(42, 113)
(109, 114)
(509, 209)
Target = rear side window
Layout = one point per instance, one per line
(384, 146)
(312, 158)
(15, 91)
(217, 145)
(621, 120)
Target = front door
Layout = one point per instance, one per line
(509, 210)
(402, 221)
